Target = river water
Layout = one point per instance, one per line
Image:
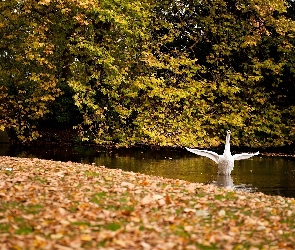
(268, 174)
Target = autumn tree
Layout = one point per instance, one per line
(244, 49)
(85, 48)
(29, 68)
(155, 72)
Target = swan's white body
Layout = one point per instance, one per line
(226, 161)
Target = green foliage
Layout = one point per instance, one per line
(28, 72)
(164, 73)
(239, 47)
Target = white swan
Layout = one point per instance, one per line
(226, 161)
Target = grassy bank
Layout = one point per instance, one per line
(55, 205)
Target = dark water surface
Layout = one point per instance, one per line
(268, 174)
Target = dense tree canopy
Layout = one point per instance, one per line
(244, 49)
(155, 72)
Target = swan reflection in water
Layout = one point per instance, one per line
(226, 181)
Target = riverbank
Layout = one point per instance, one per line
(68, 137)
(56, 205)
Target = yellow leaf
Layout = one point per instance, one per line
(85, 237)
(45, 2)
(56, 236)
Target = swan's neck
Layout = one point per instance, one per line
(227, 145)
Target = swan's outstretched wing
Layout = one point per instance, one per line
(211, 155)
(243, 156)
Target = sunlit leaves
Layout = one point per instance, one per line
(235, 46)
(164, 73)
(27, 70)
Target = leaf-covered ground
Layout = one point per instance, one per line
(55, 205)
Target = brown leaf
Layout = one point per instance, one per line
(167, 199)
(128, 185)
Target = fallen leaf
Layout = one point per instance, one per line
(145, 245)
(56, 236)
(85, 237)
(128, 185)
